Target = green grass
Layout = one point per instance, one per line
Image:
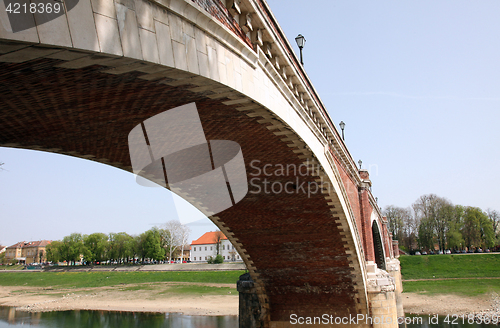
(199, 290)
(100, 279)
(450, 266)
(466, 287)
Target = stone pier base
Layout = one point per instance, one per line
(249, 308)
(394, 270)
(382, 298)
(385, 303)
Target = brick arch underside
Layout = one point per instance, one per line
(293, 241)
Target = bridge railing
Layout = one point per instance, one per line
(255, 18)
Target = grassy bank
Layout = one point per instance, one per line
(450, 266)
(466, 287)
(101, 279)
(436, 274)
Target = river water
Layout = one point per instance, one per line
(11, 318)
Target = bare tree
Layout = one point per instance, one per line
(218, 241)
(395, 221)
(402, 225)
(175, 235)
(184, 232)
(170, 235)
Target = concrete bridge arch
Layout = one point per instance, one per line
(78, 84)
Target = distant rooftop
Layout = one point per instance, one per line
(208, 238)
(26, 244)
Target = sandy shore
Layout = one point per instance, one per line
(144, 298)
(159, 297)
(450, 304)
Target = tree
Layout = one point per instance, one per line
(477, 229)
(494, 217)
(486, 232)
(96, 246)
(184, 232)
(121, 247)
(218, 237)
(151, 245)
(435, 214)
(73, 248)
(402, 225)
(395, 221)
(174, 235)
(2, 258)
(54, 251)
(169, 239)
(137, 249)
(425, 234)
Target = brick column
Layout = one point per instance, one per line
(366, 211)
(385, 235)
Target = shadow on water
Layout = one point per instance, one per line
(9, 317)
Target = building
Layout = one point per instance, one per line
(206, 246)
(27, 252)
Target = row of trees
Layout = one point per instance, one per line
(434, 220)
(158, 244)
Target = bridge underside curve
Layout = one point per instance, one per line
(291, 241)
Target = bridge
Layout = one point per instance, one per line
(309, 229)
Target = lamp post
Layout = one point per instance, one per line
(342, 126)
(300, 42)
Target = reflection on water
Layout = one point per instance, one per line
(9, 317)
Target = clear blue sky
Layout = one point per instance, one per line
(416, 82)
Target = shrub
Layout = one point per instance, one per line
(218, 259)
(215, 260)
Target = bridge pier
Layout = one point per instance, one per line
(249, 307)
(384, 289)
(384, 294)
(394, 269)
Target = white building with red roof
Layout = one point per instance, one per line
(206, 246)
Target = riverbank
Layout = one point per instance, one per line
(415, 303)
(187, 298)
(200, 299)
(432, 291)
(131, 268)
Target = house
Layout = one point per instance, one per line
(27, 252)
(2, 249)
(206, 246)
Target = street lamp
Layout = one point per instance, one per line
(359, 163)
(342, 126)
(300, 42)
